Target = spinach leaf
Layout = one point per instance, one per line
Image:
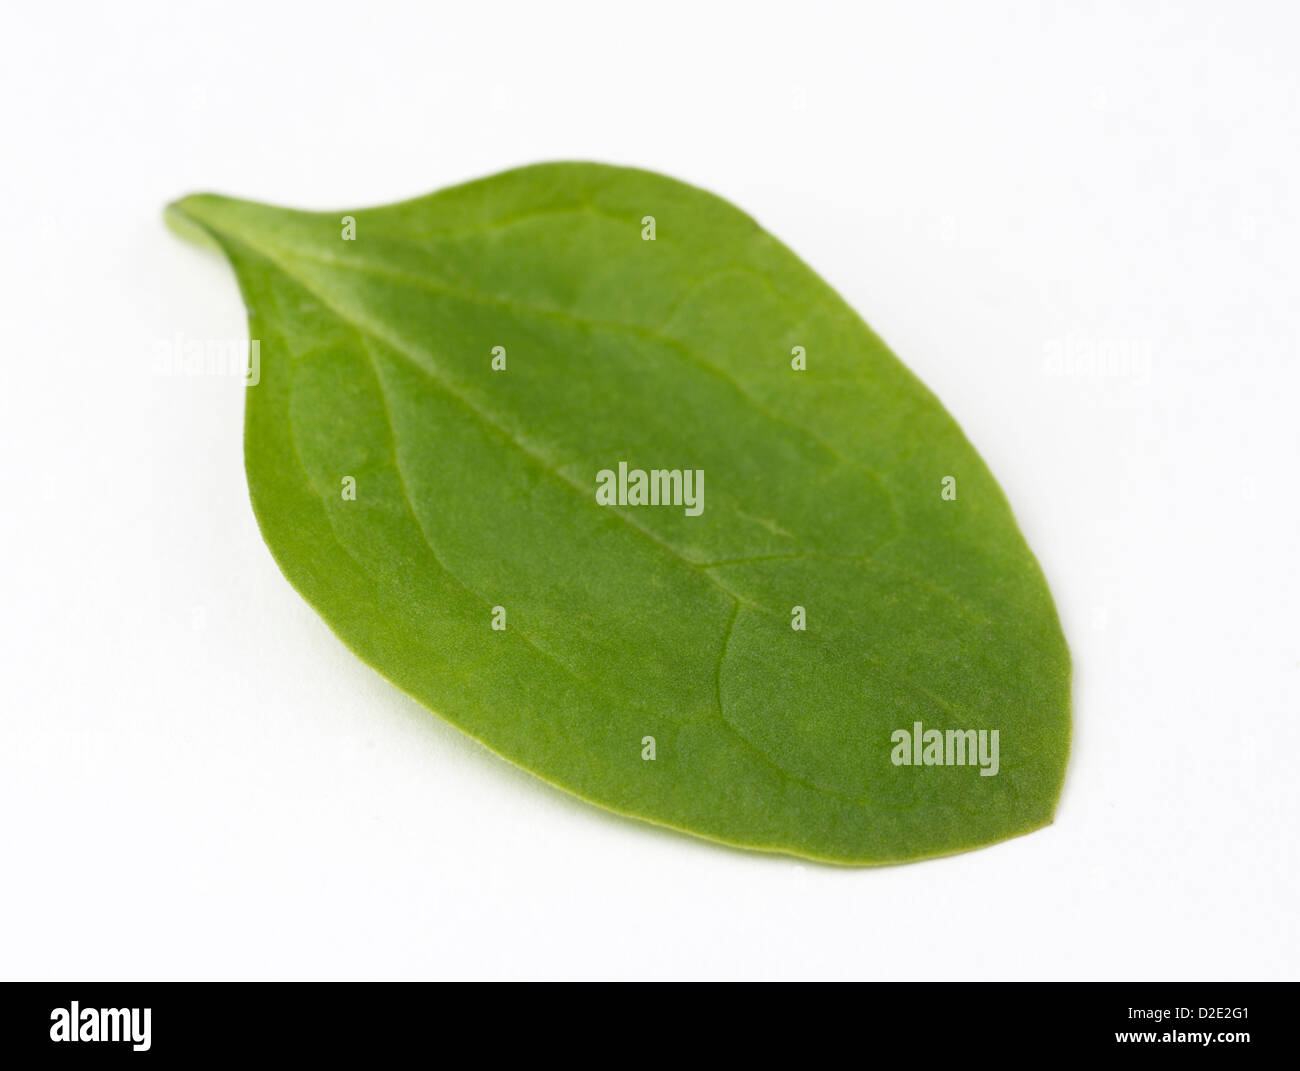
(592, 465)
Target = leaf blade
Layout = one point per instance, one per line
(629, 622)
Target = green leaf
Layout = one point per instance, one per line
(650, 660)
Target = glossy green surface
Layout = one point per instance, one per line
(476, 487)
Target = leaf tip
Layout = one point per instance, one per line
(186, 218)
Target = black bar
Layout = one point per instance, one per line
(386, 1022)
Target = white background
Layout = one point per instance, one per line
(1076, 222)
